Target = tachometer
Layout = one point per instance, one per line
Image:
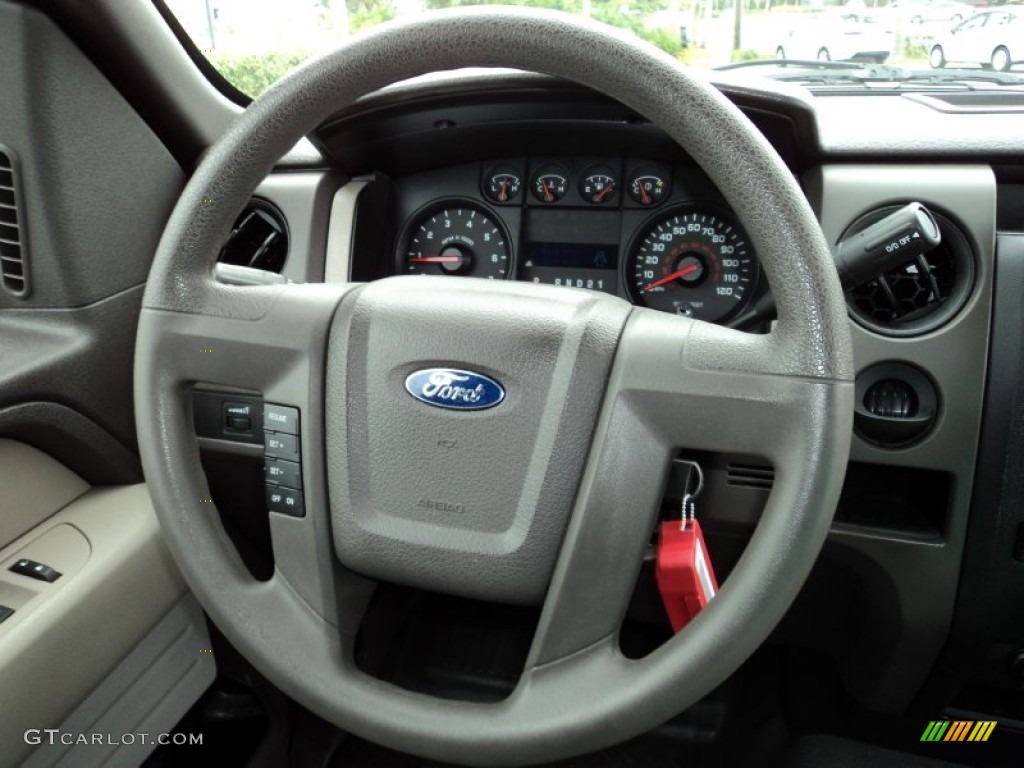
(695, 263)
(458, 239)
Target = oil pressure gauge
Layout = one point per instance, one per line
(502, 184)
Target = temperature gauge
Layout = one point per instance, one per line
(598, 185)
(550, 183)
(502, 184)
(649, 185)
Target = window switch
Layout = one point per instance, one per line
(35, 570)
(5, 613)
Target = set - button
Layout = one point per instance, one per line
(282, 466)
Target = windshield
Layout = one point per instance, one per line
(255, 42)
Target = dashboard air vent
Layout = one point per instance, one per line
(13, 271)
(759, 476)
(259, 238)
(921, 295)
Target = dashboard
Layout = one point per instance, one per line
(915, 601)
(655, 234)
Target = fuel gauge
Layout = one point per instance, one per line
(649, 185)
(502, 184)
(598, 185)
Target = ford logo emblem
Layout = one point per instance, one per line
(452, 388)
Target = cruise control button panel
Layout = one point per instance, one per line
(282, 463)
(35, 570)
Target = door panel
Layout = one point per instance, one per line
(93, 185)
(37, 486)
(117, 581)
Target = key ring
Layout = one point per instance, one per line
(688, 511)
(689, 504)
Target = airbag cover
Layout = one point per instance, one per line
(467, 501)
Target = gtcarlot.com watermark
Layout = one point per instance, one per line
(54, 736)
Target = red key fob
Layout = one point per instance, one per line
(683, 571)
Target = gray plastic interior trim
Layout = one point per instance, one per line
(171, 70)
(35, 486)
(341, 235)
(148, 692)
(921, 577)
(58, 114)
(66, 637)
(907, 128)
(306, 200)
(79, 358)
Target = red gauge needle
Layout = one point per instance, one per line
(435, 260)
(547, 192)
(688, 270)
(644, 196)
(503, 195)
(603, 193)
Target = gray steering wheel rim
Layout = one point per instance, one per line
(563, 708)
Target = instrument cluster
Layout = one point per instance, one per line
(657, 234)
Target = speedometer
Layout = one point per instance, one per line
(695, 263)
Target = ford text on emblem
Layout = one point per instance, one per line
(452, 388)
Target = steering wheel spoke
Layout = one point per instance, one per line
(272, 350)
(279, 354)
(677, 386)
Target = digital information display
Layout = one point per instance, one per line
(575, 265)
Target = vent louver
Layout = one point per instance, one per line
(921, 295)
(759, 476)
(13, 272)
(259, 238)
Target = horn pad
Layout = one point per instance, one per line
(459, 418)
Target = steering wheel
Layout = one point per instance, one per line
(549, 497)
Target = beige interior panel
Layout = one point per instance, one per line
(40, 487)
(65, 638)
(62, 547)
